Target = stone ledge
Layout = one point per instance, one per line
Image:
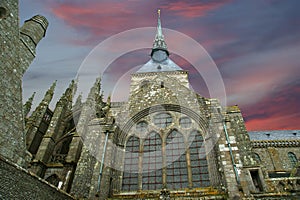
(275, 143)
(195, 193)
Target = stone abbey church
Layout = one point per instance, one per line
(165, 142)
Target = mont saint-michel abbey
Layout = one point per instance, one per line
(165, 142)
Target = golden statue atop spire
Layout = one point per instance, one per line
(158, 12)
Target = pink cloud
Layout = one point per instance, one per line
(279, 110)
(286, 122)
(96, 17)
(98, 20)
(195, 9)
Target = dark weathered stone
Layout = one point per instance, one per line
(17, 183)
(16, 56)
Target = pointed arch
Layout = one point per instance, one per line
(257, 158)
(152, 162)
(131, 164)
(177, 173)
(293, 159)
(199, 166)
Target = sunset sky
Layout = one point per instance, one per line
(254, 44)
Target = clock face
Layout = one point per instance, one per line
(159, 56)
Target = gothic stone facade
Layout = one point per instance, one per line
(165, 142)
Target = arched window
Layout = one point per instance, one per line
(177, 174)
(257, 158)
(152, 162)
(199, 165)
(131, 164)
(293, 159)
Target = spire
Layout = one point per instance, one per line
(49, 94)
(160, 61)
(27, 105)
(159, 41)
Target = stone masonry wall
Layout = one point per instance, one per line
(17, 183)
(16, 57)
(277, 158)
(12, 144)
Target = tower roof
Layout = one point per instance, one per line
(160, 60)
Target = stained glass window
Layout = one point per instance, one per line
(152, 162)
(149, 159)
(177, 175)
(131, 165)
(200, 177)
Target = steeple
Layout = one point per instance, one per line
(160, 61)
(159, 41)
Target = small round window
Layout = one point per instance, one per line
(185, 122)
(162, 120)
(142, 126)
